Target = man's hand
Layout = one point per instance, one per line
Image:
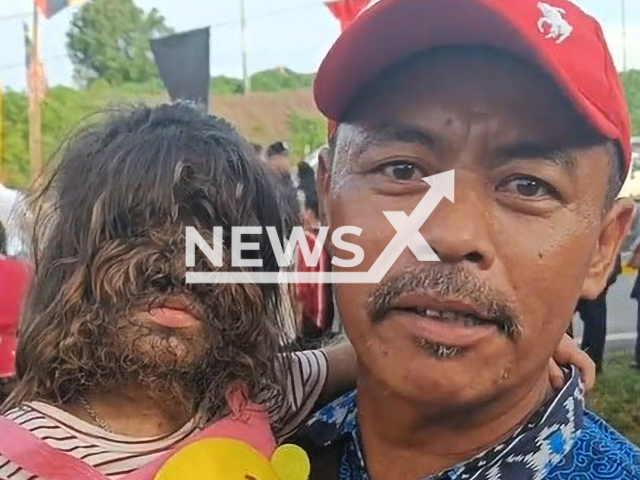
(568, 353)
(342, 371)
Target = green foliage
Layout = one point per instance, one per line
(61, 111)
(307, 134)
(16, 140)
(631, 83)
(280, 79)
(109, 40)
(222, 85)
(276, 80)
(616, 397)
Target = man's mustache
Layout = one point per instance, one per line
(446, 283)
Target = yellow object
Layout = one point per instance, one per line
(225, 459)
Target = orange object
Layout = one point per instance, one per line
(346, 11)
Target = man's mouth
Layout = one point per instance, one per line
(442, 323)
(449, 316)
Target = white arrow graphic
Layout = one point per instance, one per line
(408, 236)
(442, 185)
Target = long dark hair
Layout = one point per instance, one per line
(110, 228)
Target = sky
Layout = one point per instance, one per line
(291, 33)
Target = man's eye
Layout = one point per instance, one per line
(401, 171)
(528, 187)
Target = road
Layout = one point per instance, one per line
(622, 316)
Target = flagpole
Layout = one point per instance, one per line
(35, 116)
(243, 33)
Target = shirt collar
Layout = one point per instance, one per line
(530, 452)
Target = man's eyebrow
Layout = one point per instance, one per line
(396, 132)
(529, 151)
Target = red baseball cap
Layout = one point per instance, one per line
(555, 35)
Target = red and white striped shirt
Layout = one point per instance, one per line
(115, 455)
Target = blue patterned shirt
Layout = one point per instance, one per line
(561, 441)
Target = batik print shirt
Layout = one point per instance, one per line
(562, 441)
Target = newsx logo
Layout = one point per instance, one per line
(407, 236)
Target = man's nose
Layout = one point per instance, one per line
(460, 232)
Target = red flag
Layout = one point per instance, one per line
(50, 7)
(346, 11)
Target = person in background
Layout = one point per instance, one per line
(308, 198)
(14, 283)
(315, 300)
(259, 151)
(594, 315)
(278, 156)
(635, 294)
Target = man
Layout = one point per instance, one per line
(279, 163)
(635, 294)
(308, 198)
(521, 99)
(119, 360)
(14, 279)
(279, 158)
(594, 316)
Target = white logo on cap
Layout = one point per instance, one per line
(371, 4)
(559, 28)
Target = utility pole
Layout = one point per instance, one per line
(243, 33)
(34, 86)
(624, 35)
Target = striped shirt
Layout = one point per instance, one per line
(115, 455)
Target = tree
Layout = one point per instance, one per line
(631, 82)
(307, 134)
(109, 39)
(279, 79)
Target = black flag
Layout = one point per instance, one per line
(183, 62)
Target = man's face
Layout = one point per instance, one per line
(528, 233)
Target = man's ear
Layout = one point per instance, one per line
(615, 228)
(323, 184)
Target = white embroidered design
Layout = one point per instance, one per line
(371, 4)
(559, 28)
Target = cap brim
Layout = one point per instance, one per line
(392, 31)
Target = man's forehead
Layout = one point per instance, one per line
(451, 72)
(433, 90)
